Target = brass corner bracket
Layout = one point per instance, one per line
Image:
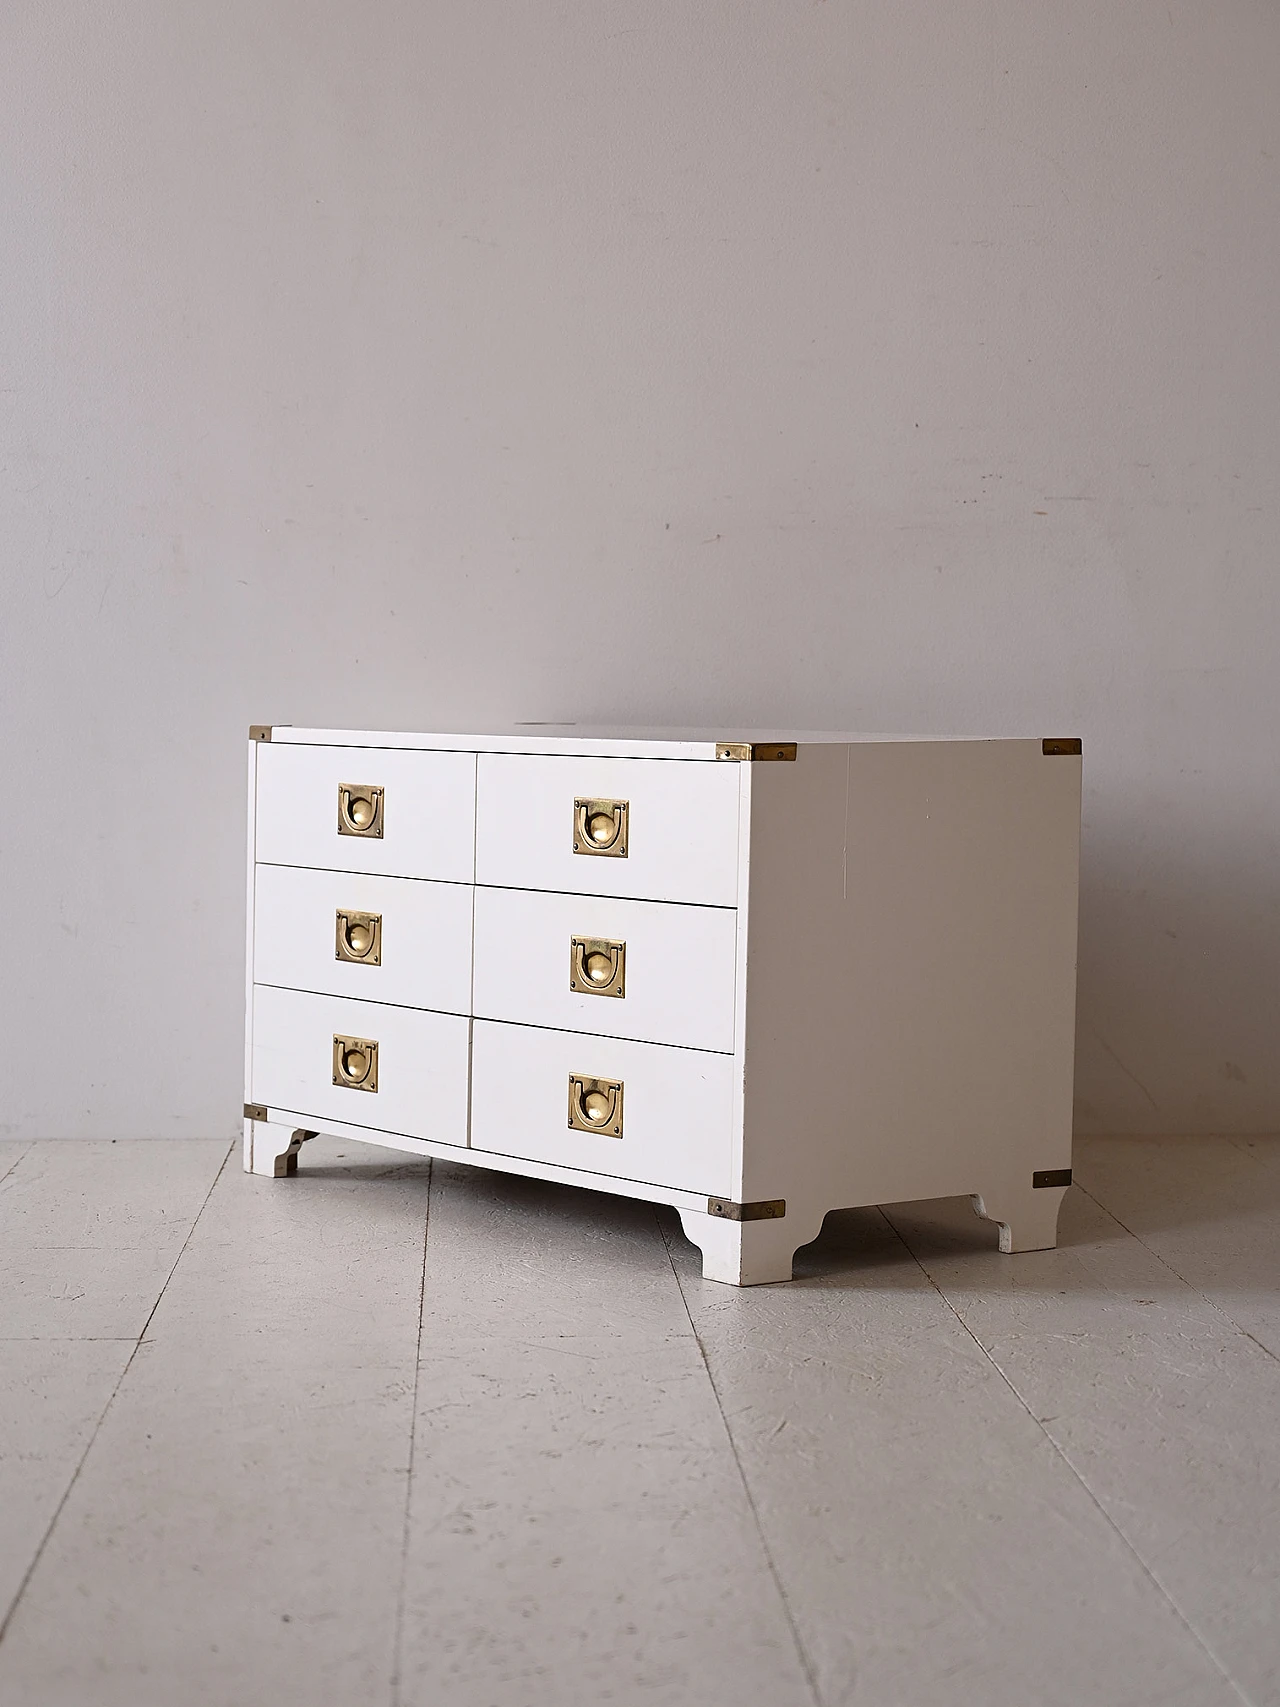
(745, 751)
(1062, 746)
(255, 1111)
(259, 731)
(1042, 1178)
(726, 1210)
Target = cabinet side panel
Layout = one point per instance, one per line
(911, 970)
(742, 935)
(251, 858)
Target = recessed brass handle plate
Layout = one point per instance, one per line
(359, 937)
(359, 809)
(600, 827)
(595, 1105)
(355, 1063)
(597, 967)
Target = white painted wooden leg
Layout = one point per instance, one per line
(272, 1150)
(1028, 1217)
(749, 1253)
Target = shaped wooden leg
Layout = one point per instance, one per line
(1028, 1215)
(749, 1253)
(272, 1150)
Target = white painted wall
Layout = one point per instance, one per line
(871, 363)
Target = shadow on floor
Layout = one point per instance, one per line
(1124, 1186)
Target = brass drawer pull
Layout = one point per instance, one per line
(355, 1063)
(597, 967)
(359, 938)
(600, 827)
(595, 1105)
(359, 809)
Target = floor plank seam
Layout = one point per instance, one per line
(102, 1415)
(24, 1152)
(801, 1655)
(1179, 1276)
(397, 1658)
(1106, 1516)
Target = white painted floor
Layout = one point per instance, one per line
(379, 1436)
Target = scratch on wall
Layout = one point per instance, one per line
(1125, 1070)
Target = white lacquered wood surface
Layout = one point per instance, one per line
(881, 932)
(910, 1015)
(428, 810)
(680, 966)
(585, 740)
(682, 827)
(425, 937)
(422, 1063)
(677, 1105)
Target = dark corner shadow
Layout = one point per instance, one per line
(864, 1248)
(855, 1243)
(857, 1247)
(594, 1211)
(354, 1163)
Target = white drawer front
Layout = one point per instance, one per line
(681, 827)
(418, 936)
(422, 1063)
(427, 810)
(677, 968)
(676, 1105)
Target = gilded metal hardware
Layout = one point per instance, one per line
(359, 937)
(259, 731)
(255, 1111)
(355, 1063)
(600, 827)
(1062, 746)
(1043, 1177)
(597, 967)
(287, 1164)
(723, 1207)
(757, 750)
(359, 809)
(595, 1105)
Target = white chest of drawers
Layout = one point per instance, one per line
(756, 980)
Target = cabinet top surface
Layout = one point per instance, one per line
(573, 739)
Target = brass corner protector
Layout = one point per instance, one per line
(726, 1210)
(1042, 1178)
(255, 1111)
(1062, 746)
(259, 731)
(759, 751)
